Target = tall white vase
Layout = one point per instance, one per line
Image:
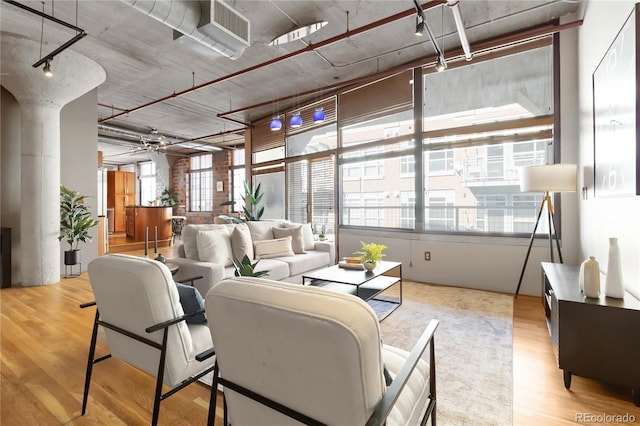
(613, 284)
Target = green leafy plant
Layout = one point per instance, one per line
(75, 218)
(371, 252)
(167, 198)
(244, 268)
(252, 212)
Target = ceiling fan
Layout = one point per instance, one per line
(153, 142)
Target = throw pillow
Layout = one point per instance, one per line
(191, 301)
(297, 241)
(267, 249)
(215, 246)
(307, 234)
(241, 244)
(261, 230)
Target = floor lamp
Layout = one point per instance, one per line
(547, 178)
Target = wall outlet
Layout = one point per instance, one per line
(427, 255)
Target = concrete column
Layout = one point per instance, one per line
(40, 100)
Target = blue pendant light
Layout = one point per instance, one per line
(318, 115)
(276, 124)
(296, 120)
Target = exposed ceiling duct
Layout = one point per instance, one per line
(213, 24)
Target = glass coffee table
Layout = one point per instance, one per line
(367, 285)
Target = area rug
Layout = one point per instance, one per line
(473, 347)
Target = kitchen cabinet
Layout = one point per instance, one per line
(121, 192)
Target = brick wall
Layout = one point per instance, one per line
(221, 163)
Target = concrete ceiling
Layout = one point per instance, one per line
(144, 63)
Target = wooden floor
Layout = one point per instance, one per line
(45, 338)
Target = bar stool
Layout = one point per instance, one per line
(177, 223)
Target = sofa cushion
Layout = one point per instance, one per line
(241, 243)
(189, 234)
(307, 233)
(297, 241)
(261, 230)
(215, 246)
(312, 260)
(267, 249)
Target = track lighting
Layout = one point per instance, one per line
(419, 25)
(441, 65)
(296, 120)
(47, 70)
(276, 124)
(318, 115)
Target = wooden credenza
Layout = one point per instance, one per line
(121, 192)
(139, 218)
(595, 338)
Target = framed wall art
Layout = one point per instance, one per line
(615, 115)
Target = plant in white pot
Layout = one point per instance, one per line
(75, 222)
(371, 254)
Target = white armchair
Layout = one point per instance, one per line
(289, 353)
(139, 308)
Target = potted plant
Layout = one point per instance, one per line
(371, 254)
(251, 200)
(75, 222)
(244, 268)
(167, 198)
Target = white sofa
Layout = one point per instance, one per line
(208, 250)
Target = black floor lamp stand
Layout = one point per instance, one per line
(552, 235)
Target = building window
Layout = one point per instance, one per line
(440, 162)
(407, 209)
(201, 183)
(148, 194)
(440, 212)
(238, 176)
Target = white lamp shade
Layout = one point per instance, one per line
(549, 177)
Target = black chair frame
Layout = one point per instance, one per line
(164, 326)
(382, 410)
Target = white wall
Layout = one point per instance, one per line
(79, 161)
(602, 218)
(486, 263)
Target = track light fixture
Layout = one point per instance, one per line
(419, 25)
(422, 24)
(47, 70)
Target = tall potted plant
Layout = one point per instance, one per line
(75, 222)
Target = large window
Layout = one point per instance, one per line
(148, 194)
(201, 183)
(477, 137)
(457, 173)
(237, 179)
(378, 165)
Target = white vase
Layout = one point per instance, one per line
(590, 277)
(613, 284)
(369, 265)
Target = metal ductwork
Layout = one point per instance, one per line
(211, 24)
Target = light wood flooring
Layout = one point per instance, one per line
(45, 338)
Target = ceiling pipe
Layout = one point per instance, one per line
(462, 33)
(309, 48)
(481, 48)
(184, 17)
